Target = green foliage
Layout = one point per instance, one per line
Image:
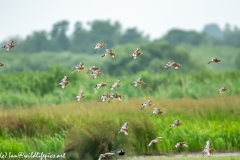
(94, 127)
(36, 88)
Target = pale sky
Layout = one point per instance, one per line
(153, 17)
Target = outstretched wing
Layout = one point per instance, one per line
(207, 144)
(125, 125)
(139, 79)
(176, 122)
(156, 110)
(10, 42)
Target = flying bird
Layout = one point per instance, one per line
(172, 64)
(102, 84)
(104, 97)
(175, 123)
(93, 69)
(147, 104)
(181, 144)
(124, 129)
(79, 67)
(224, 88)
(99, 45)
(157, 111)
(115, 95)
(1, 64)
(79, 96)
(115, 85)
(64, 82)
(96, 74)
(216, 60)
(169, 64)
(136, 53)
(138, 81)
(207, 150)
(155, 141)
(120, 152)
(9, 46)
(109, 53)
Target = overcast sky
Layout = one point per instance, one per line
(153, 17)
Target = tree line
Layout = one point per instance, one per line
(82, 40)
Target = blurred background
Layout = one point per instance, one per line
(54, 36)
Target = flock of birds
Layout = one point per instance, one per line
(124, 129)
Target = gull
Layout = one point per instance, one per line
(157, 111)
(175, 123)
(147, 104)
(216, 60)
(115, 85)
(155, 141)
(79, 96)
(79, 67)
(138, 81)
(97, 73)
(136, 53)
(115, 95)
(102, 84)
(124, 129)
(63, 82)
(99, 45)
(93, 68)
(207, 150)
(224, 88)
(9, 46)
(109, 53)
(104, 97)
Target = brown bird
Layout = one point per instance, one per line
(109, 53)
(93, 69)
(96, 74)
(9, 46)
(157, 111)
(137, 82)
(175, 123)
(79, 96)
(115, 95)
(207, 150)
(124, 129)
(64, 82)
(224, 88)
(104, 97)
(136, 53)
(102, 84)
(1, 64)
(99, 45)
(216, 60)
(79, 67)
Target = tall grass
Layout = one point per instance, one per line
(38, 88)
(92, 127)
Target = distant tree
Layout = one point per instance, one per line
(176, 37)
(59, 38)
(132, 35)
(104, 31)
(79, 39)
(213, 30)
(231, 37)
(36, 42)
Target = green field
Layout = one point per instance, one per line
(86, 129)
